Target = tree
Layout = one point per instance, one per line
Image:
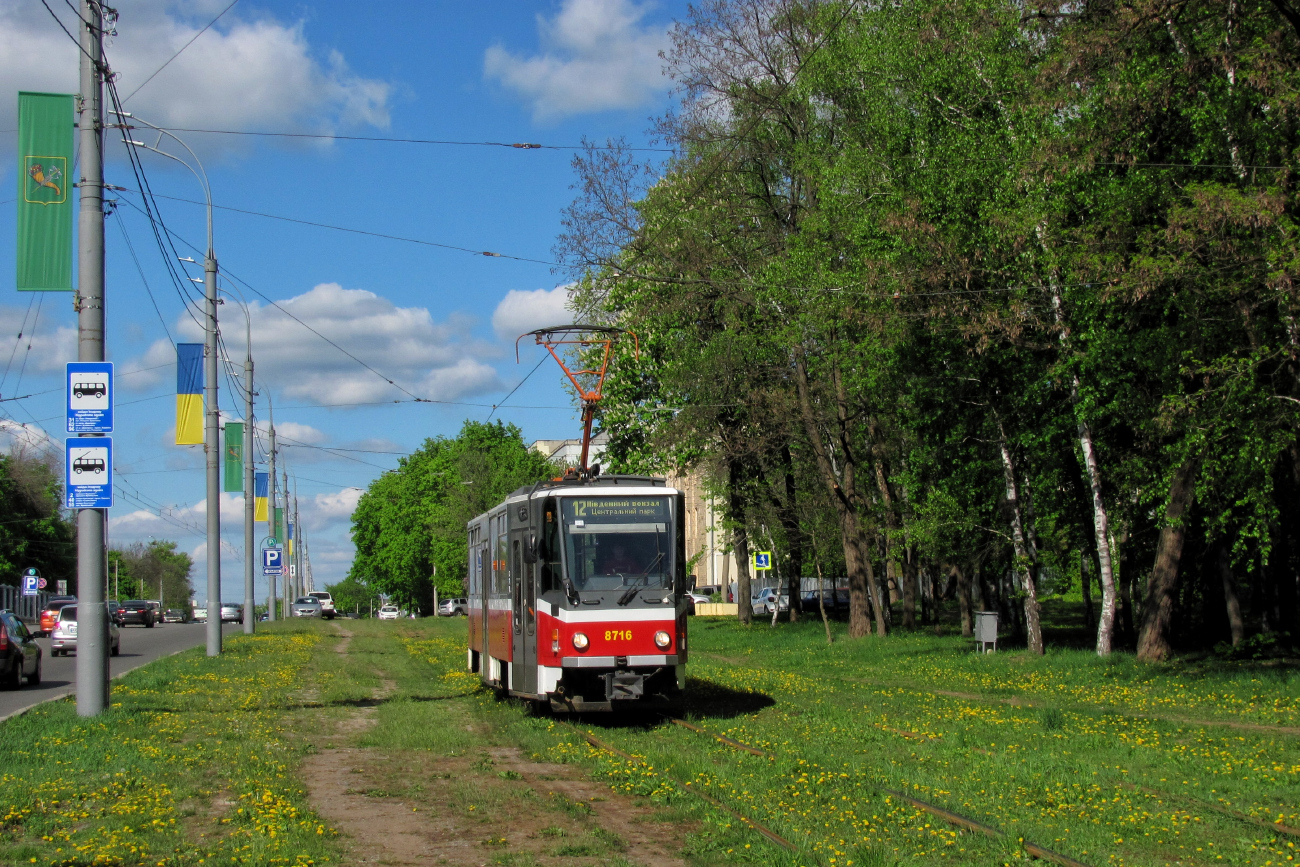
(409, 525)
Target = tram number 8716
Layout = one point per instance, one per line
(618, 635)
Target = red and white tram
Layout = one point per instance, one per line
(577, 594)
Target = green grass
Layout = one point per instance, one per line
(190, 765)
(1107, 761)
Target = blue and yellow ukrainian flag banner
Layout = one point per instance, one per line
(261, 484)
(290, 549)
(189, 394)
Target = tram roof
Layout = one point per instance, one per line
(613, 480)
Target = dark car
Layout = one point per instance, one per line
(137, 611)
(115, 612)
(20, 655)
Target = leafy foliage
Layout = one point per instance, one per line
(409, 525)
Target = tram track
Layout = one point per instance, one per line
(955, 819)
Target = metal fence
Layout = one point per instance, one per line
(26, 607)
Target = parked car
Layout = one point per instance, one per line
(173, 615)
(389, 612)
(452, 607)
(137, 611)
(767, 598)
(114, 612)
(200, 615)
(306, 606)
(835, 600)
(20, 655)
(50, 614)
(231, 613)
(64, 637)
(326, 603)
(156, 608)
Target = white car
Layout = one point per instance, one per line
(64, 636)
(767, 599)
(326, 603)
(452, 607)
(200, 615)
(389, 612)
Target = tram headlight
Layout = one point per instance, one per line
(663, 640)
(579, 641)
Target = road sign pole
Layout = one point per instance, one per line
(92, 628)
(272, 581)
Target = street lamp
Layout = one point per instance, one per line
(249, 493)
(211, 437)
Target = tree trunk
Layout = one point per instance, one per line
(1025, 565)
(841, 484)
(1101, 533)
(909, 591)
(1085, 587)
(877, 596)
(964, 602)
(1158, 610)
(1232, 602)
(821, 598)
(739, 541)
(789, 518)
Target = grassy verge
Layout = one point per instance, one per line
(199, 760)
(191, 765)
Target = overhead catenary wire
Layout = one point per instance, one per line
(524, 146)
(459, 249)
(181, 49)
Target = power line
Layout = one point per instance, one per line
(121, 227)
(441, 246)
(182, 48)
(523, 146)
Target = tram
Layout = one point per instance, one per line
(577, 594)
(577, 586)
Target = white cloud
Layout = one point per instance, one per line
(44, 347)
(243, 73)
(597, 56)
(331, 508)
(522, 311)
(432, 360)
(16, 437)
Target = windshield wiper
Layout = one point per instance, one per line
(634, 589)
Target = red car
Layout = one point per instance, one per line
(50, 614)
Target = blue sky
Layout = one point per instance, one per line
(441, 323)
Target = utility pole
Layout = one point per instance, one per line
(250, 542)
(92, 640)
(300, 584)
(212, 447)
(272, 581)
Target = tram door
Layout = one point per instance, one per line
(523, 586)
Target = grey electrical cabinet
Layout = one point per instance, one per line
(986, 630)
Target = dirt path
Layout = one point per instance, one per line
(491, 805)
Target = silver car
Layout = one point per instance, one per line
(64, 636)
(306, 606)
(231, 613)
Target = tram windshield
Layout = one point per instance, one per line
(617, 543)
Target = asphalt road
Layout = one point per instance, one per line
(139, 646)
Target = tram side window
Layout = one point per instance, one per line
(517, 574)
(548, 571)
(500, 575)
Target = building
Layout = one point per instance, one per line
(706, 541)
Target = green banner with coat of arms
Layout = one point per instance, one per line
(234, 462)
(45, 151)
